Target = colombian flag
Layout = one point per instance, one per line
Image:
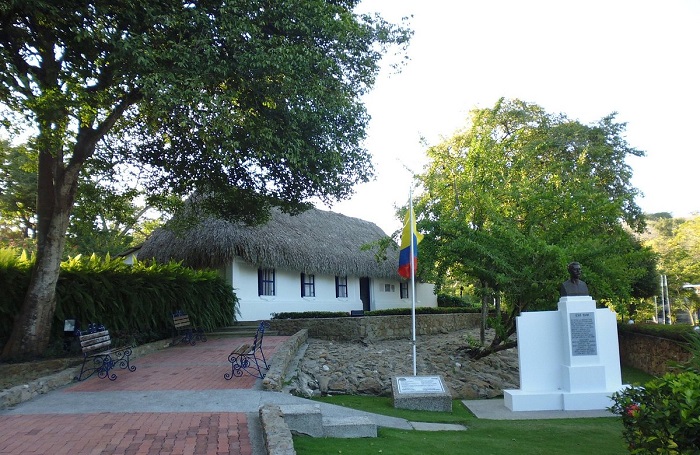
(409, 235)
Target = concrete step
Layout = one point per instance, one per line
(303, 419)
(349, 427)
(240, 330)
(307, 419)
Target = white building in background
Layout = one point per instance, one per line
(314, 261)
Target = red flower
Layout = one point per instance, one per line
(632, 410)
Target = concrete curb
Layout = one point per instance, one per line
(283, 356)
(276, 433)
(25, 392)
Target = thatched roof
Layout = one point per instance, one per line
(315, 241)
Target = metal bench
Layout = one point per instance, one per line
(98, 355)
(249, 358)
(185, 331)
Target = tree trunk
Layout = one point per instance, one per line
(31, 330)
(484, 312)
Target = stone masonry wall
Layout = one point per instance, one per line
(375, 328)
(644, 352)
(649, 353)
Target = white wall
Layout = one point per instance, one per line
(243, 277)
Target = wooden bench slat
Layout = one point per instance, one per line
(90, 336)
(242, 349)
(93, 347)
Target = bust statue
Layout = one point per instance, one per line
(573, 286)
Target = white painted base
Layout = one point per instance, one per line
(518, 400)
(556, 374)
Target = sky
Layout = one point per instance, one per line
(586, 59)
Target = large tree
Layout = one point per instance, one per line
(520, 192)
(247, 103)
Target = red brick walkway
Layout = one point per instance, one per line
(133, 433)
(183, 367)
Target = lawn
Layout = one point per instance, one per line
(599, 436)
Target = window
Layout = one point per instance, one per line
(403, 288)
(341, 287)
(389, 288)
(266, 281)
(308, 286)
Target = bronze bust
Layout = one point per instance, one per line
(573, 286)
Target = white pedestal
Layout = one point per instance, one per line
(569, 359)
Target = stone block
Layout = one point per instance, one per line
(349, 427)
(425, 393)
(303, 419)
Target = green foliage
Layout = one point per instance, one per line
(693, 345)
(663, 416)
(518, 194)
(134, 301)
(421, 310)
(676, 332)
(15, 270)
(514, 197)
(310, 315)
(18, 183)
(676, 241)
(444, 300)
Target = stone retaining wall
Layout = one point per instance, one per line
(371, 328)
(649, 353)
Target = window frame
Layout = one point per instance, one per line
(308, 285)
(341, 282)
(403, 290)
(266, 282)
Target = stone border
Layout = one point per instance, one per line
(376, 328)
(285, 353)
(276, 433)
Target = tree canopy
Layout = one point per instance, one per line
(248, 103)
(519, 193)
(677, 243)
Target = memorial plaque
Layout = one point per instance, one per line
(583, 338)
(420, 384)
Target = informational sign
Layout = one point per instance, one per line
(420, 384)
(583, 340)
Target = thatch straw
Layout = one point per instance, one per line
(315, 241)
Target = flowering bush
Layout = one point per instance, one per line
(663, 416)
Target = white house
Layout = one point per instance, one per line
(313, 261)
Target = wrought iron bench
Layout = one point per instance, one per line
(249, 358)
(185, 331)
(98, 355)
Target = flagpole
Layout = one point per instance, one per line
(413, 278)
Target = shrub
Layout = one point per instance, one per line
(134, 301)
(444, 300)
(663, 416)
(678, 332)
(309, 314)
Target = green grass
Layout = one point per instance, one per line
(599, 436)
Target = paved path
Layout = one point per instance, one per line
(177, 401)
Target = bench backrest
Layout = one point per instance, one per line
(181, 321)
(91, 342)
(257, 341)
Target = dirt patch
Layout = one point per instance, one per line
(14, 374)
